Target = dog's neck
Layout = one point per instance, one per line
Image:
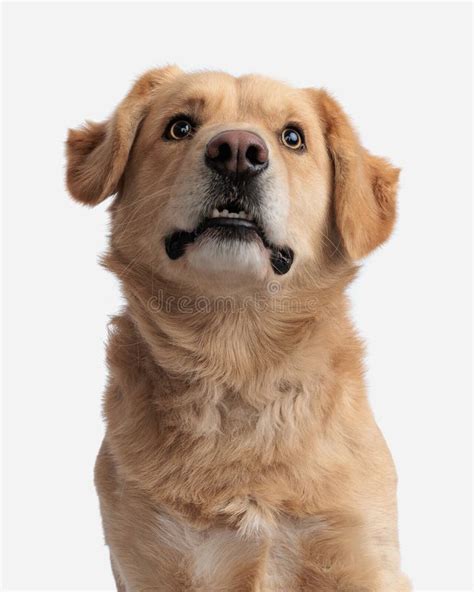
(238, 342)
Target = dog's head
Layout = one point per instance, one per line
(234, 181)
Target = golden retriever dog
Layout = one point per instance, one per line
(240, 451)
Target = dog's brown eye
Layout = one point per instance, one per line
(180, 129)
(292, 138)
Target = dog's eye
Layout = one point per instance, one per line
(292, 138)
(179, 130)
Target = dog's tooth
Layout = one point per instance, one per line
(232, 215)
(224, 213)
(242, 214)
(215, 213)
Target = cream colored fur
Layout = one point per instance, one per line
(240, 451)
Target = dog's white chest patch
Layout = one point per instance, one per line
(214, 554)
(257, 544)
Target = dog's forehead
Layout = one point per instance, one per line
(219, 94)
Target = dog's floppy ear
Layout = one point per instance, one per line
(364, 187)
(98, 152)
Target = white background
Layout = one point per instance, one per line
(403, 73)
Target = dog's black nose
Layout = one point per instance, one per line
(237, 152)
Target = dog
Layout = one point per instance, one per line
(240, 451)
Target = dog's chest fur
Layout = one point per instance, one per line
(213, 453)
(225, 485)
(266, 555)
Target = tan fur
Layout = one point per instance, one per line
(240, 452)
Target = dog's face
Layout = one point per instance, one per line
(237, 175)
(227, 181)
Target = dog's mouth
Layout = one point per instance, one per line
(233, 223)
(230, 223)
